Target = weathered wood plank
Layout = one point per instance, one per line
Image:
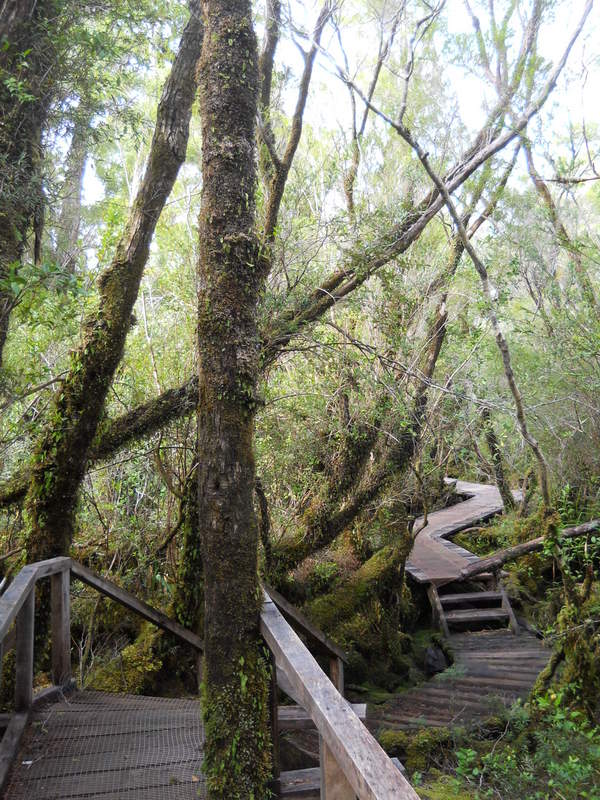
(295, 718)
(336, 673)
(131, 602)
(301, 784)
(24, 653)
(9, 745)
(365, 765)
(334, 784)
(470, 597)
(438, 612)
(476, 615)
(60, 592)
(14, 597)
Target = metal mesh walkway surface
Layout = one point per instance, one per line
(98, 746)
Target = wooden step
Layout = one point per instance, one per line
(305, 784)
(301, 784)
(295, 718)
(476, 615)
(470, 597)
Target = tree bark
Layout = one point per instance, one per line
(69, 221)
(61, 454)
(231, 274)
(497, 460)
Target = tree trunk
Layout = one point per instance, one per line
(60, 455)
(497, 460)
(69, 221)
(231, 274)
(23, 28)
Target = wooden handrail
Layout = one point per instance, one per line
(352, 762)
(133, 603)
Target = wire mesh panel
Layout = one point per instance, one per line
(94, 745)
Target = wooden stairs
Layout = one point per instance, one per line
(464, 606)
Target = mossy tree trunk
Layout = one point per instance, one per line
(231, 274)
(61, 453)
(497, 460)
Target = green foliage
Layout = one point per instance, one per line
(542, 752)
(134, 669)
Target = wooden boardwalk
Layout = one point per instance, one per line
(492, 669)
(101, 746)
(436, 560)
(59, 744)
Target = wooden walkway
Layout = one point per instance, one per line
(436, 560)
(492, 669)
(111, 747)
(62, 744)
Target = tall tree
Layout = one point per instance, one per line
(231, 273)
(61, 453)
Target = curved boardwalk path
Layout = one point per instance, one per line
(433, 558)
(492, 667)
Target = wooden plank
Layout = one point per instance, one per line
(471, 597)
(336, 673)
(334, 784)
(476, 615)
(60, 591)
(296, 617)
(51, 566)
(275, 724)
(512, 620)
(295, 718)
(186, 774)
(9, 746)
(301, 784)
(365, 765)
(131, 602)
(24, 653)
(14, 597)
(438, 612)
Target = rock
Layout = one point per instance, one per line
(435, 660)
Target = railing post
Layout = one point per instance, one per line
(336, 673)
(60, 593)
(274, 702)
(334, 784)
(24, 654)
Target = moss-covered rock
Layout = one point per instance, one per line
(134, 670)
(419, 749)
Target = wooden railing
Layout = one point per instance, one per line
(353, 765)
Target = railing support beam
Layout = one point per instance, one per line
(336, 673)
(334, 785)
(24, 654)
(61, 627)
